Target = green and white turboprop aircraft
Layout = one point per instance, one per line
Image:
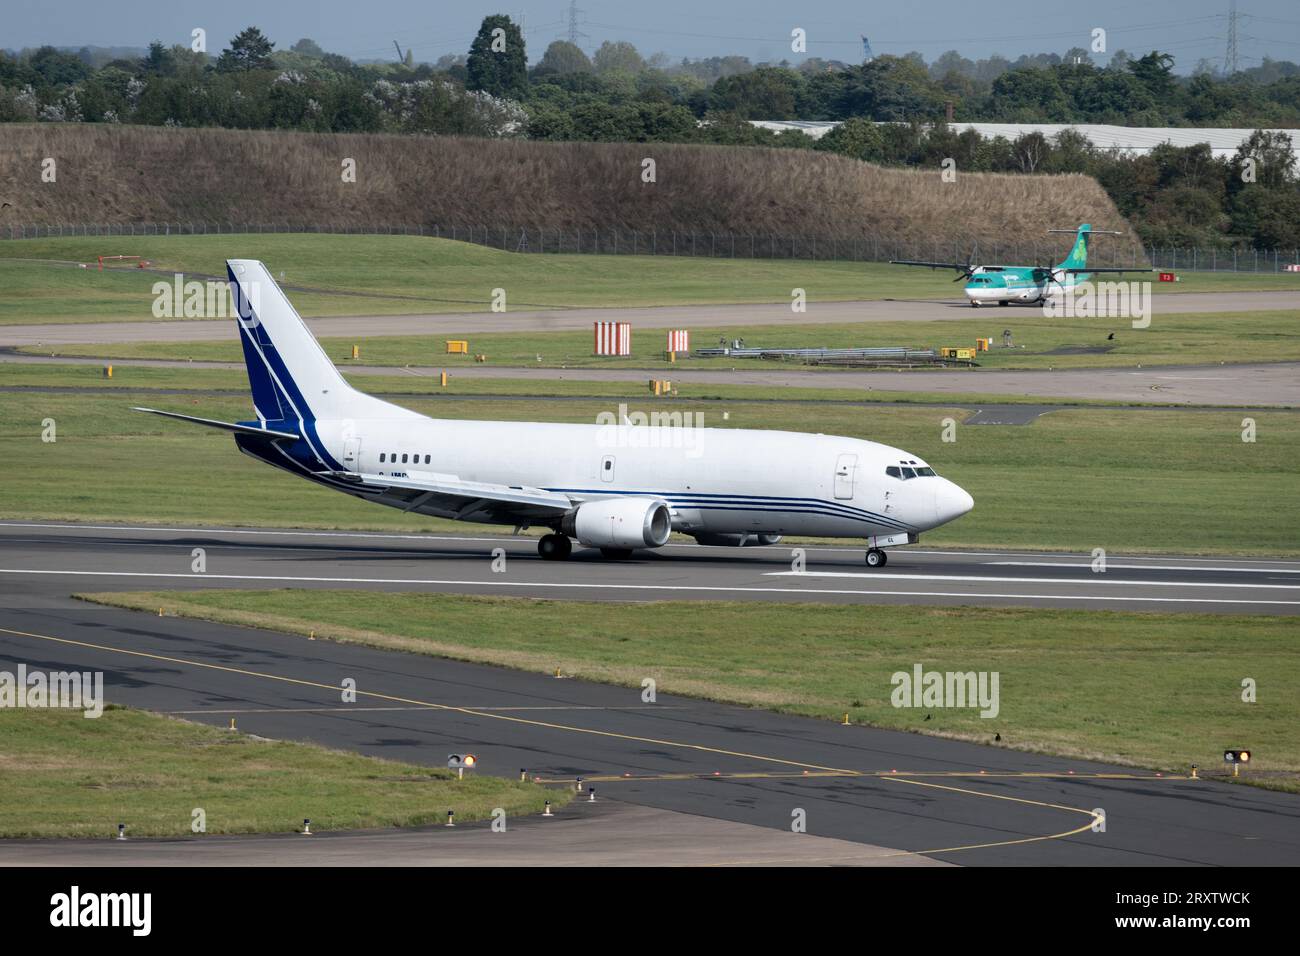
(1025, 284)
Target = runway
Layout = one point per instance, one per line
(41, 561)
(661, 317)
(905, 797)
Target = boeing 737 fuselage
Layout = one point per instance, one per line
(613, 486)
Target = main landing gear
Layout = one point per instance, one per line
(555, 547)
(876, 558)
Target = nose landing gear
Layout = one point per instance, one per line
(876, 558)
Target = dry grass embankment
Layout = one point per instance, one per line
(131, 174)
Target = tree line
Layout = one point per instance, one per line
(892, 110)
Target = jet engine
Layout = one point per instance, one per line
(620, 523)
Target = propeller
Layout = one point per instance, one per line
(969, 271)
(1052, 275)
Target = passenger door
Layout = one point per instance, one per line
(846, 467)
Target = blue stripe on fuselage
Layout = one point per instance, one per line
(288, 396)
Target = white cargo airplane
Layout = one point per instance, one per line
(605, 485)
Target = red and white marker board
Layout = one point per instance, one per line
(679, 340)
(613, 338)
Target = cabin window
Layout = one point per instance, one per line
(381, 457)
(426, 459)
(403, 458)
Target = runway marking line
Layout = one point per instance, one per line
(449, 708)
(488, 539)
(210, 576)
(808, 774)
(829, 771)
(330, 710)
(1095, 579)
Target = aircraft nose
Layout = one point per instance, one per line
(951, 501)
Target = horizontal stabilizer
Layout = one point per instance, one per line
(225, 426)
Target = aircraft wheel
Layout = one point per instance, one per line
(616, 553)
(974, 304)
(1003, 302)
(877, 558)
(554, 547)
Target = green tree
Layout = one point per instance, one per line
(563, 57)
(57, 69)
(1274, 160)
(1269, 217)
(308, 47)
(618, 55)
(766, 93)
(856, 137)
(250, 50)
(158, 61)
(1030, 95)
(1155, 71)
(498, 63)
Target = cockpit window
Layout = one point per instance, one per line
(904, 471)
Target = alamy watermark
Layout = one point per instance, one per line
(656, 429)
(936, 689)
(41, 690)
(1101, 300)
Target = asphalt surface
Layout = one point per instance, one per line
(900, 794)
(604, 833)
(1230, 385)
(661, 317)
(50, 560)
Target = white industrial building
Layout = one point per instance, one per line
(1137, 139)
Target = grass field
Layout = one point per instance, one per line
(1126, 480)
(382, 275)
(1199, 338)
(424, 384)
(66, 776)
(1154, 690)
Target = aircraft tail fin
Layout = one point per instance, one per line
(291, 377)
(1078, 257)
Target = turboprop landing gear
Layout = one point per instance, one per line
(877, 558)
(555, 547)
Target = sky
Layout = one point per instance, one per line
(758, 29)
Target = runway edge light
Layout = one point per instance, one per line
(1236, 758)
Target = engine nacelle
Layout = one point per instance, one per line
(620, 523)
(737, 540)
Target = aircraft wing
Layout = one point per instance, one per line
(933, 265)
(1088, 269)
(449, 496)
